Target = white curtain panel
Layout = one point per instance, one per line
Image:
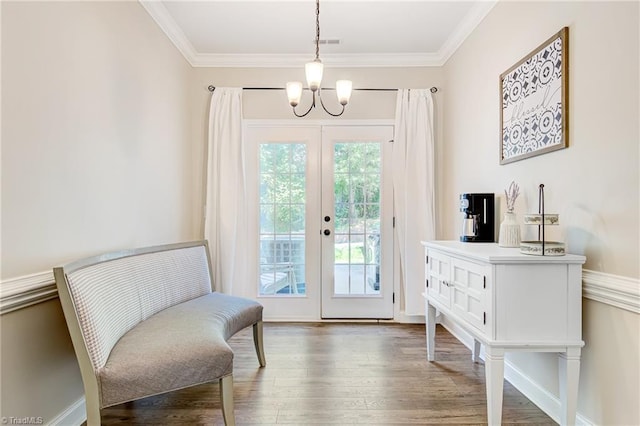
(225, 224)
(414, 189)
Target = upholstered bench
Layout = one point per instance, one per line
(146, 321)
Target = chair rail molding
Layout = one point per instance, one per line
(614, 290)
(621, 292)
(20, 292)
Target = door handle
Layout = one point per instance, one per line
(327, 232)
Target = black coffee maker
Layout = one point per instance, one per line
(478, 225)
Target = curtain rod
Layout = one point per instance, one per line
(212, 88)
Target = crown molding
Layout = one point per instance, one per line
(477, 13)
(297, 61)
(165, 21)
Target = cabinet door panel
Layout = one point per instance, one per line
(469, 292)
(438, 271)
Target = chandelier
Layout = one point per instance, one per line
(313, 71)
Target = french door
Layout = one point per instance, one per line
(322, 234)
(357, 222)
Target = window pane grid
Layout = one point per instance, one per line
(282, 218)
(357, 216)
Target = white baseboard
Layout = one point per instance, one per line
(303, 320)
(74, 415)
(409, 319)
(540, 396)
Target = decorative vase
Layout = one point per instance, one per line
(509, 231)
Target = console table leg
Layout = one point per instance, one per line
(494, 375)
(431, 331)
(569, 372)
(475, 354)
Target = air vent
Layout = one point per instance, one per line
(328, 41)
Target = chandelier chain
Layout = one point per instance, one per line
(317, 30)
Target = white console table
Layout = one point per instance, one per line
(508, 301)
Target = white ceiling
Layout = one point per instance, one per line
(265, 33)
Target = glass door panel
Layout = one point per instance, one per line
(282, 218)
(357, 195)
(357, 210)
(282, 179)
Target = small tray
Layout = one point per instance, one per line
(536, 219)
(551, 248)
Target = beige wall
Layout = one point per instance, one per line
(96, 156)
(593, 185)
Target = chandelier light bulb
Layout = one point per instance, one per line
(343, 90)
(294, 92)
(313, 71)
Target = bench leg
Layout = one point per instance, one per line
(258, 342)
(226, 398)
(93, 410)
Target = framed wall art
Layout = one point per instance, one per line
(534, 108)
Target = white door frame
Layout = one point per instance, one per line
(293, 123)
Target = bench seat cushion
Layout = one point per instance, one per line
(178, 347)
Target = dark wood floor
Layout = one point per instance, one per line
(340, 374)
